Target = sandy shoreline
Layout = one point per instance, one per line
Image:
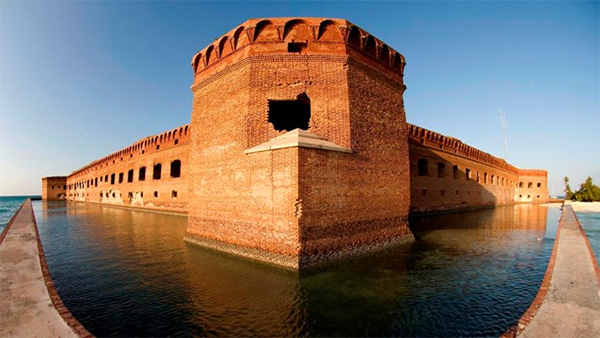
(584, 206)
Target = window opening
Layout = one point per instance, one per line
(174, 193)
(142, 174)
(130, 176)
(456, 172)
(156, 172)
(112, 179)
(423, 167)
(441, 169)
(176, 168)
(120, 177)
(290, 114)
(296, 47)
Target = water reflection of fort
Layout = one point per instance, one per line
(482, 261)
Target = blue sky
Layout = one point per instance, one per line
(80, 80)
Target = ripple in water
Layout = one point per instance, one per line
(129, 273)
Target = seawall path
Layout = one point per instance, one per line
(29, 304)
(568, 304)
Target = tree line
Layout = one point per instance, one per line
(588, 191)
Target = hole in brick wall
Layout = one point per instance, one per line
(468, 173)
(456, 172)
(155, 193)
(290, 114)
(113, 194)
(529, 185)
(112, 179)
(176, 168)
(423, 167)
(156, 172)
(520, 196)
(176, 142)
(142, 194)
(143, 151)
(130, 155)
(520, 184)
(142, 174)
(528, 196)
(174, 193)
(130, 176)
(538, 196)
(101, 194)
(158, 147)
(120, 177)
(441, 169)
(539, 185)
(296, 47)
(130, 195)
(96, 182)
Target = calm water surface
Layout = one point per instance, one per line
(590, 222)
(129, 273)
(8, 207)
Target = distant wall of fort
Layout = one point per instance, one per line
(447, 174)
(54, 188)
(151, 173)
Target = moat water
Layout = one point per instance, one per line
(590, 222)
(129, 273)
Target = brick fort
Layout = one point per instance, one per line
(298, 151)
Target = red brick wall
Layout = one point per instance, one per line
(89, 183)
(54, 188)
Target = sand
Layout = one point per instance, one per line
(584, 206)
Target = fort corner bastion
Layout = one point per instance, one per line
(298, 151)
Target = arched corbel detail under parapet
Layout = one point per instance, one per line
(280, 32)
(378, 47)
(327, 31)
(225, 46)
(262, 30)
(196, 61)
(345, 32)
(235, 41)
(355, 38)
(364, 39)
(208, 55)
(314, 31)
(295, 26)
(250, 31)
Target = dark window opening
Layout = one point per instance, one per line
(155, 193)
(423, 167)
(441, 169)
(174, 193)
(120, 177)
(290, 114)
(176, 141)
(130, 195)
(424, 192)
(156, 172)
(468, 174)
(539, 185)
(484, 177)
(112, 179)
(538, 196)
(296, 47)
(106, 178)
(130, 176)
(142, 174)
(176, 168)
(520, 184)
(529, 185)
(157, 147)
(101, 194)
(113, 195)
(456, 172)
(53, 187)
(96, 182)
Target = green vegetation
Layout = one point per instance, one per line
(588, 191)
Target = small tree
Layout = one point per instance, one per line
(588, 192)
(568, 192)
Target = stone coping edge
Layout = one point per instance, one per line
(589, 247)
(532, 310)
(58, 304)
(10, 222)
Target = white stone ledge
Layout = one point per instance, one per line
(297, 138)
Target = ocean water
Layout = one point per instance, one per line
(129, 273)
(8, 207)
(590, 222)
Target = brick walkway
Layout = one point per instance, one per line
(571, 307)
(29, 305)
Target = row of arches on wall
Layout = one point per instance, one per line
(464, 149)
(139, 147)
(118, 178)
(298, 30)
(443, 171)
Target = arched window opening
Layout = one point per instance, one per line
(441, 169)
(539, 185)
(290, 114)
(120, 177)
(467, 174)
(96, 182)
(529, 185)
(176, 168)
(112, 179)
(423, 167)
(456, 172)
(484, 177)
(176, 141)
(155, 193)
(142, 174)
(520, 184)
(492, 179)
(156, 172)
(130, 176)
(174, 194)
